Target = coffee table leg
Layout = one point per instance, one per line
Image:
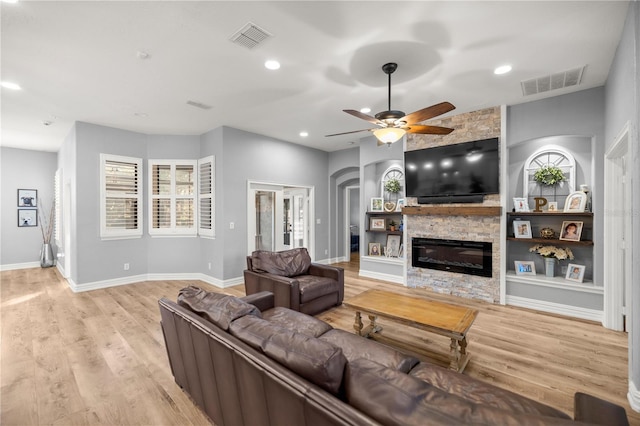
(358, 324)
(454, 355)
(463, 347)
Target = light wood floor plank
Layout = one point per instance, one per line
(98, 358)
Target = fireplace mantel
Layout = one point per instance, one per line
(453, 210)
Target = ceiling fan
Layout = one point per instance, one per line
(392, 125)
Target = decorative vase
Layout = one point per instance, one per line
(549, 266)
(46, 256)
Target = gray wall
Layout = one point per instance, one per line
(23, 169)
(622, 101)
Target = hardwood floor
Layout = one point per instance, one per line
(98, 357)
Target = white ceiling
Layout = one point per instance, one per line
(78, 61)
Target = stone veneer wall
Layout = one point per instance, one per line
(482, 124)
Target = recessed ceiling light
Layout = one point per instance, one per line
(365, 110)
(304, 134)
(10, 85)
(272, 65)
(502, 69)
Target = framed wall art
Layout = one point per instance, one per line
(377, 204)
(522, 229)
(377, 224)
(27, 198)
(27, 218)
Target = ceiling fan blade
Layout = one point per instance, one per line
(364, 117)
(346, 133)
(427, 113)
(428, 130)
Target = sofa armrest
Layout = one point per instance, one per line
(590, 409)
(262, 300)
(286, 291)
(329, 272)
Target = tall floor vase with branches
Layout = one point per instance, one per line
(47, 222)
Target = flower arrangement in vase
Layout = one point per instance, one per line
(551, 254)
(47, 222)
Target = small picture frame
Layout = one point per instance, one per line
(571, 230)
(27, 218)
(393, 245)
(377, 204)
(522, 229)
(575, 202)
(400, 204)
(28, 198)
(553, 206)
(525, 267)
(575, 272)
(374, 249)
(377, 224)
(521, 204)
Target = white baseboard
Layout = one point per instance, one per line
(77, 288)
(634, 396)
(381, 276)
(14, 266)
(556, 308)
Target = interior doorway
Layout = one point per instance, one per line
(279, 217)
(352, 222)
(617, 231)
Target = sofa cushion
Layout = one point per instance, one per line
(296, 321)
(356, 347)
(287, 263)
(395, 398)
(313, 286)
(317, 361)
(218, 308)
(479, 392)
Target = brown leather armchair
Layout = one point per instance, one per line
(295, 282)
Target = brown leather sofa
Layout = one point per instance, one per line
(244, 362)
(295, 281)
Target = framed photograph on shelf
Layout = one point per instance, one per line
(525, 267)
(393, 245)
(575, 202)
(575, 272)
(522, 229)
(571, 230)
(377, 204)
(377, 224)
(400, 204)
(521, 204)
(374, 249)
(27, 198)
(27, 217)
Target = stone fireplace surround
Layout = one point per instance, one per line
(467, 222)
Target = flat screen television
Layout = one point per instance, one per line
(463, 172)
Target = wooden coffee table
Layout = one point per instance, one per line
(441, 318)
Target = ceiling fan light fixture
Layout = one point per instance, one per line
(389, 135)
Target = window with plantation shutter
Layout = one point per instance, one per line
(172, 197)
(57, 199)
(206, 190)
(120, 197)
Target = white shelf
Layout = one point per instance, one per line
(384, 259)
(555, 282)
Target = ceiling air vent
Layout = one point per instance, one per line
(555, 81)
(250, 35)
(199, 105)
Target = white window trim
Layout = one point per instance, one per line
(207, 232)
(530, 169)
(173, 230)
(110, 233)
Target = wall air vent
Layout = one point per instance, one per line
(559, 80)
(250, 35)
(199, 105)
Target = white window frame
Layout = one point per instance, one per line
(173, 230)
(397, 170)
(207, 225)
(110, 233)
(561, 158)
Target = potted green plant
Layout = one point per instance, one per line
(392, 225)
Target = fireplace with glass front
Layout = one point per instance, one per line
(464, 257)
